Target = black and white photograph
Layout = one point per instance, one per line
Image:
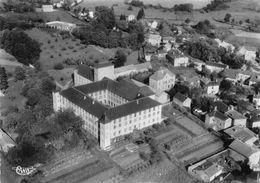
(129, 91)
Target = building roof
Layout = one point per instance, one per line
(232, 73)
(240, 133)
(123, 88)
(86, 72)
(215, 64)
(243, 148)
(56, 23)
(133, 68)
(180, 97)
(213, 83)
(161, 73)
(103, 64)
(126, 89)
(130, 108)
(255, 119)
(83, 101)
(235, 115)
(218, 115)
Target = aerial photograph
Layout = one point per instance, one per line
(129, 91)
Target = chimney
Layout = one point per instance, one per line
(137, 101)
(93, 102)
(84, 97)
(215, 108)
(230, 107)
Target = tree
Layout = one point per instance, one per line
(47, 86)
(227, 17)
(240, 22)
(187, 20)
(225, 85)
(140, 14)
(3, 79)
(19, 73)
(120, 58)
(21, 46)
(130, 8)
(105, 16)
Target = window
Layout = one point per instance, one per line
(114, 126)
(119, 132)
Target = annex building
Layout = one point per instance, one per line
(110, 108)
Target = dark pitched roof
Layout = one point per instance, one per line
(180, 97)
(79, 96)
(103, 64)
(218, 115)
(130, 108)
(123, 88)
(86, 72)
(83, 101)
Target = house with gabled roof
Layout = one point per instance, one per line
(237, 118)
(243, 134)
(182, 100)
(252, 153)
(212, 88)
(217, 120)
(162, 80)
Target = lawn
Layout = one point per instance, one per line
(55, 50)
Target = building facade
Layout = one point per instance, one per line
(110, 109)
(162, 80)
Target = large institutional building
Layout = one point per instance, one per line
(110, 108)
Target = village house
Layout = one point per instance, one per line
(215, 67)
(198, 64)
(212, 167)
(160, 96)
(252, 153)
(256, 101)
(217, 120)
(162, 80)
(212, 88)
(247, 108)
(237, 118)
(240, 76)
(153, 25)
(254, 122)
(225, 45)
(153, 38)
(177, 58)
(242, 134)
(131, 18)
(47, 8)
(182, 100)
(249, 53)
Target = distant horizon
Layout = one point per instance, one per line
(166, 3)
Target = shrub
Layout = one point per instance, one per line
(75, 50)
(51, 56)
(71, 47)
(49, 41)
(52, 47)
(63, 49)
(60, 54)
(58, 66)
